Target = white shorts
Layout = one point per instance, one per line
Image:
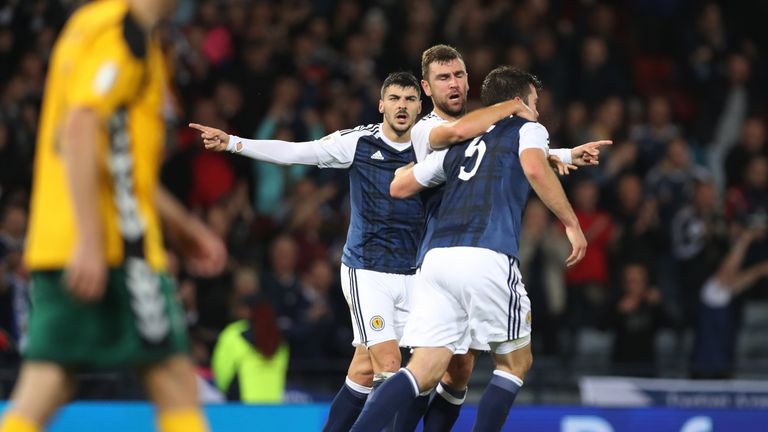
(378, 303)
(468, 297)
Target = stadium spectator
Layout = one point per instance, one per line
(588, 280)
(312, 333)
(543, 249)
(753, 144)
(638, 233)
(654, 136)
(699, 240)
(714, 348)
(637, 316)
(250, 359)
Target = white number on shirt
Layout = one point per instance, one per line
(477, 145)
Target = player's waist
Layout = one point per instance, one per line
(407, 268)
(510, 250)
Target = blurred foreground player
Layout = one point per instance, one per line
(100, 292)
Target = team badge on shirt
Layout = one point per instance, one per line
(377, 323)
(528, 318)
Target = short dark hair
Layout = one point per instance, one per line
(506, 82)
(401, 79)
(438, 54)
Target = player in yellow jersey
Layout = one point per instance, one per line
(100, 295)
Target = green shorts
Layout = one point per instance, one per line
(130, 326)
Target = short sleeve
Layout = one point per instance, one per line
(420, 138)
(534, 135)
(105, 76)
(430, 172)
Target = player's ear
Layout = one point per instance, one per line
(420, 106)
(425, 86)
(381, 106)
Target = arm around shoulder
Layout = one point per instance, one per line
(473, 124)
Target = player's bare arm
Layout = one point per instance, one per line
(477, 122)
(731, 273)
(86, 273)
(205, 253)
(405, 184)
(548, 188)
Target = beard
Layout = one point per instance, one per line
(453, 112)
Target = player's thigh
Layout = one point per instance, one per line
(110, 332)
(42, 387)
(171, 384)
(438, 317)
(499, 307)
(403, 303)
(372, 298)
(428, 364)
(518, 361)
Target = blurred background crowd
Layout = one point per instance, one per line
(674, 279)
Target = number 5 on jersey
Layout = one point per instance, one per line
(477, 145)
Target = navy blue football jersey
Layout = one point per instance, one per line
(384, 233)
(485, 192)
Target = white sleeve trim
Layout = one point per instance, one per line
(430, 171)
(420, 135)
(563, 154)
(534, 135)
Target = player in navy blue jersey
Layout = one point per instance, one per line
(470, 292)
(379, 257)
(378, 261)
(444, 80)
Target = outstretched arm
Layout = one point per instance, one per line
(587, 154)
(331, 151)
(476, 123)
(563, 161)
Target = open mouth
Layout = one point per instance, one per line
(454, 97)
(402, 116)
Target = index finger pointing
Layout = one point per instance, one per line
(601, 143)
(199, 127)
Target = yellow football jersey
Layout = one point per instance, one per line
(103, 61)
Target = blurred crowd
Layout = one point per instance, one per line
(680, 197)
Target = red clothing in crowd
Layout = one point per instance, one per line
(598, 229)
